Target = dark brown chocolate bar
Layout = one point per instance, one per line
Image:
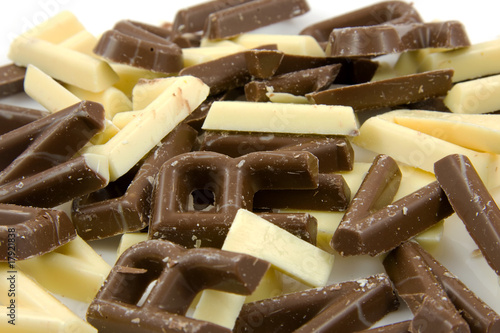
(124, 205)
(418, 287)
(295, 83)
(473, 203)
(389, 92)
(57, 185)
(384, 12)
(263, 64)
(26, 232)
(249, 16)
(481, 318)
(368, 227)
(12, 117)
(231, 182)
(11, 79)
(193, 19)
(400, 327)
(342, 307)
(385, 39)
(140, 48)
(56, 144)
(179, 274)
(334, 153)
(332, 194)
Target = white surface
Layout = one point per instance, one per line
(479, 17)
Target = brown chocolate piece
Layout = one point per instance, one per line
(221, 74)
(418, 287)
(333, 153)
(479, 315)
(332, 194)
(368, 227)
(473, 204)
(353, 71)
(263, 64)
(295, 83)
(106, 213)
(299, 311)
(179, 274)
(12, 117)
(140, 48)
(249, 16)
(11, 79)
(389, 92)
(193, 19)
(384, 12)
(56, 144)
(232, 183)
(54, 186)
(401, 327)
(26, 232)
(385, 39)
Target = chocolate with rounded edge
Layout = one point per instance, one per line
(179, 275)
(26, 232)
(12, 117)
(232, 183)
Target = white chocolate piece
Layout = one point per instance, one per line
(110, 130)
(129, 76)
(130, 238)
(382, 135)
(281, 118)
(73, 270)
(251, 234)
(144, 132)
(82, 41)
(56, 29)
(225, 313)
(120, 120)
(271, 285)
(205, 42)
(198, 55)
(291, 44)
(147, 90)
(287, 98)
(479, 132)
(468, 63)
(112, 99)
(47, 91)
(63, 64)
(475, 96)
(36, 310)
(384, 71)
(409, 62)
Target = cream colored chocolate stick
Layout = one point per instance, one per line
(475, 96)
(281, 118)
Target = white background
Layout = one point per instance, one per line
(480, 18)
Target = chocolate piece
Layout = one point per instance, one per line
(295, 83)
(389, 92)
(12, 117)
(263, 64)
(104, 213)
(59, 184)
(249, 16)
(11, 79)
(353, 71)
(56, 144)
(473, 204)
(480, 316)
(333, 153)
(193, 19)
(401, 327)
(387, 12)
(232, 182)
(385, 39)
(179, 274)
(287, 313)
(332, 194)
(418, 287)
(221, 74)
(150, 52)
(28, 231)
(368, 227)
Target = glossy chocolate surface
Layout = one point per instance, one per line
(12, 117)
(11, 79)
